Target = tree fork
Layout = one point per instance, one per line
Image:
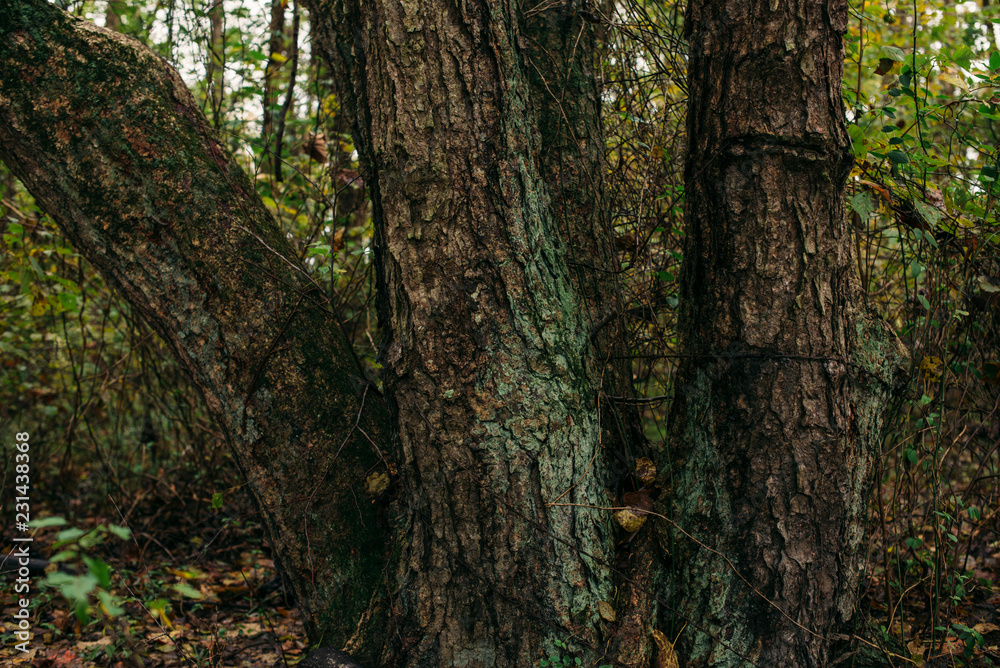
(486, 324)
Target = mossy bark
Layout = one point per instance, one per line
(110, 143)
(777, 419)
(561, 61)
(488, 350)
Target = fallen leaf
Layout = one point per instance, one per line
(666, 657)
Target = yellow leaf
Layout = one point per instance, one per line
(377, 482)
(607, 612)
(39, 306)
(666, 657)
(931, 368)
(629, 520)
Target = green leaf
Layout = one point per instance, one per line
(121, 532)
(79, 587)
(99, 570)
(929, 213)
(65, 555)
(54, 521)
(217, 500)
(863, 205)
(109, 605)
(859, 144)
(68, 535)
(962, 56)
(81, 609)
(995, 61)
(897, 157)
(188, 591)
(894, 52)
(914, 543)
(67, 300)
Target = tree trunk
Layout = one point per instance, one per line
(478, 127)
(275, 56)
(778, 416)
(561, 66)
(215, 59)
(108, 140)
(487, 348)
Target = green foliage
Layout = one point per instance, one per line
(91, 588)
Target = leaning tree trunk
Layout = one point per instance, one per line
(108, 140)
(487, 349)
(778, 414)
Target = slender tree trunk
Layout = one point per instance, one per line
(487, 352)
(109, 141)
(275, 56)
(778, 416)
(113, 15)
(215, 70)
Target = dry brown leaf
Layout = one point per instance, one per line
(645, 471)
(666, 657)
(315, 147)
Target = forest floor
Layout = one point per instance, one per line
(192, 583)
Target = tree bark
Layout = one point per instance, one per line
(561, 64)
(487, 344)
(778, 416)
(108, 140)
(483, 152)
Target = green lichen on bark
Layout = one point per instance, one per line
(487, 350)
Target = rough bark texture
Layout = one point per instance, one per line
(561, 64)
(777, 418)
(487, 348)
(110, 143)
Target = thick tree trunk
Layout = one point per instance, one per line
(777, 419)
(487, 352)
(108, 140)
